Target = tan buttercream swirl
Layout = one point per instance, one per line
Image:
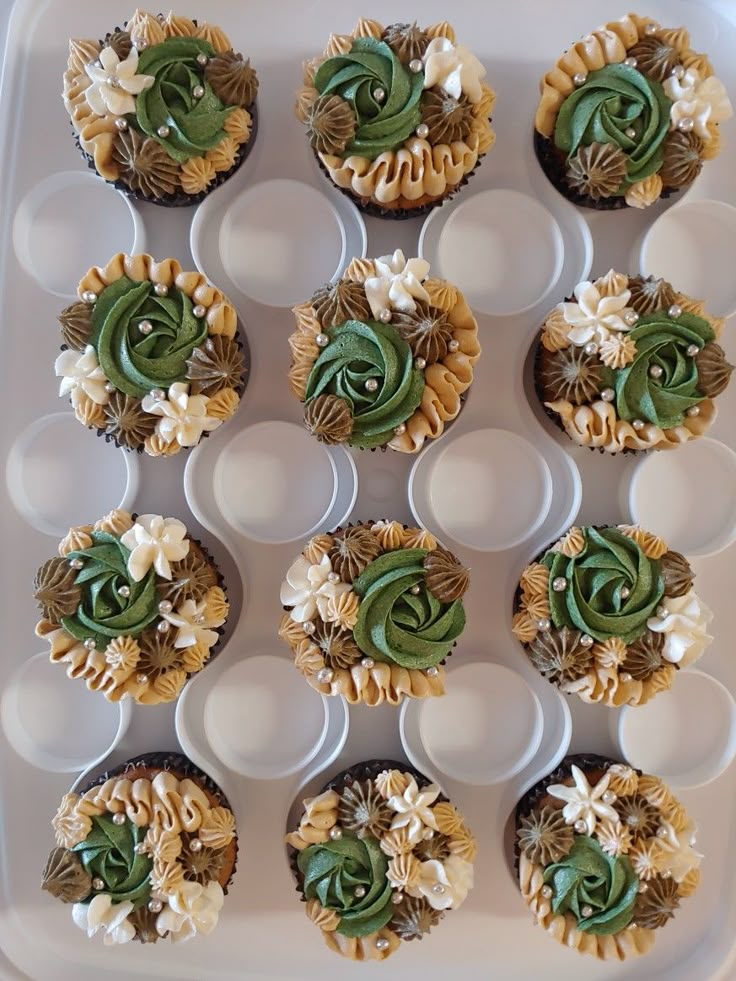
(223, 404)
(598, 426)
(81, 52)
(215, 36)
(442, 294)
(623, 780)
(651, 545)
(156, 445)
(367, 28)
(70, 825)
(644, 192)
(176, 26)
(605, 686)
(383, 682)
(571, 543)
(238, 124)
(325, 919)
(217, 829)
(362, 948)
(390, 534)
(697, 307)
(76, 538)
(197, 174)
(89, 666)
(441, 29)
(391, 783)
(554, 333)
(359, 270)
(320, 814)
(534, 580)
(96, 133)
(463, 844)
(418, 538)
(146, 27)
(166, 802)
(115, 522)
(631, 942)
(449, 820)
(523, 627)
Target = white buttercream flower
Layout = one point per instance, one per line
(413, 810)
(454, 68)
(594, 316)
(193, 625)
(82, 373)
(678, 855)
(183, 416)
(704, 100)
(115, 83)
(583, 802)
(308, 589)
(192, 909)
(682, 620)
(444, 885)
(103, 914)
(154, 541)
(397, 283)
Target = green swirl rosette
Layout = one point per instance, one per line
(663, 342)
(587, 877)
(333, 870)
(191, 125)
(395, 624)
(614, 101)
(113, 604)
(136, 362)
(356, 354)
(108, 853)
(610, 588)
(369, 67)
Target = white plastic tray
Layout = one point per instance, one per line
(263, 932)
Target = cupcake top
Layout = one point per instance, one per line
(151, 355)
(162, 109)
(396, 114)
(630, 363)
(605, 855)
(373, 610)
(145, 854)
(132, 606)
(380, 857)
(629, 114)
(609, 614)
(383, 356)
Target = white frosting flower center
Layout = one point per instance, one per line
(595, 317)
(413, 810)
(583, 802)
(114, 83)
(183, 416)
(154, 541)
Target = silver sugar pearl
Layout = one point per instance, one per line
(453, 345)
(202, 59)
(322, 340)
(140, 43)
(559, 584)
(385, 316)
(422, 131)
(438, 888)
(198, 619)
(544, 624)
(631, 61)
(656, 371)
(693, 411)
(661, 832)
(368, 662)
(109, 387)
(546, 892)
(333, 577)
(415, 65)
(643, 886)
(650, 28)
(608, 797)
(121, 123)
(630, 132)
(161, 289)
(195, 845)
(113, 82)
(163, 132)
(586, 640)
(209, 345)
(141, 678)
(165, 606)
(661, 611)
(678, 71)
(145, 326)
(325, 675)
(415, 590)
(666, 874)
(198, 91)
(199, 311)
(336, 832)
(591, 348)
(155, 905)
(359, 892)
(89, 296)
(308, 627)
(608, 395)
(140, 848)
(158, 395)
(400, 429)
(674, 311)
(90, 643)
(124, 591)
(397, 898)
(625, 592)
(382, 943)
(692, 350)
(631, 317)
(586, 911)
(371, 385)
(580, 826)
(118, 818)
(638, 424)
(164, 627)
(432, 672)
(379, 94)
(625, 676)
(420, 363)
(98, 884)
(579, 78)
(686, 124)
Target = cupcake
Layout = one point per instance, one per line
(372, 611)
(132, 606)
(163, 109)
(628, 115)
(151, 355)
(610, 614)
(397, 116)
(604, 854)
(379, 857)
(384, 356)
(145, 852)
(629, 363)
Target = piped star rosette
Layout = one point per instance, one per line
(380, 856)
(397, 116)
(629, 363)
(604, 854)
(132, 606)
(145, 853)
(372, 612)
(151, 356)
(610, 614)
(628, 115)
(384, 356)
(163, 109)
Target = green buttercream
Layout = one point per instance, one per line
(592, 599)
(108, 853)
(415, 631)
(589, 877)
(134, 362)
(613, 99)
(370, 65)
(332, 871)
(195, 125)
(358, 351)
(103, 613)
(662, 341)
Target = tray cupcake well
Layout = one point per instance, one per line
(500, 484)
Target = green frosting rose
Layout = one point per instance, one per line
(136, 362)
(394, 624)
(589, 877)
(614, 99)
(661, 341)
(333, 870)
(594, 598)
(103, 612)
(358, 351)
(371, 65)
(108, 853)
(194, 125)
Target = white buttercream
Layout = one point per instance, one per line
(594, 317)
(191, 619)
(413, 810)
(308, 590)
(191, 909)
(444, 885)
(82, 373)
(183, 416)
(114, 83)
(103, 914)
(397, 284)
(682, 620)
(454, 68)
(154, 541)
(704, 100)
(583, 802)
